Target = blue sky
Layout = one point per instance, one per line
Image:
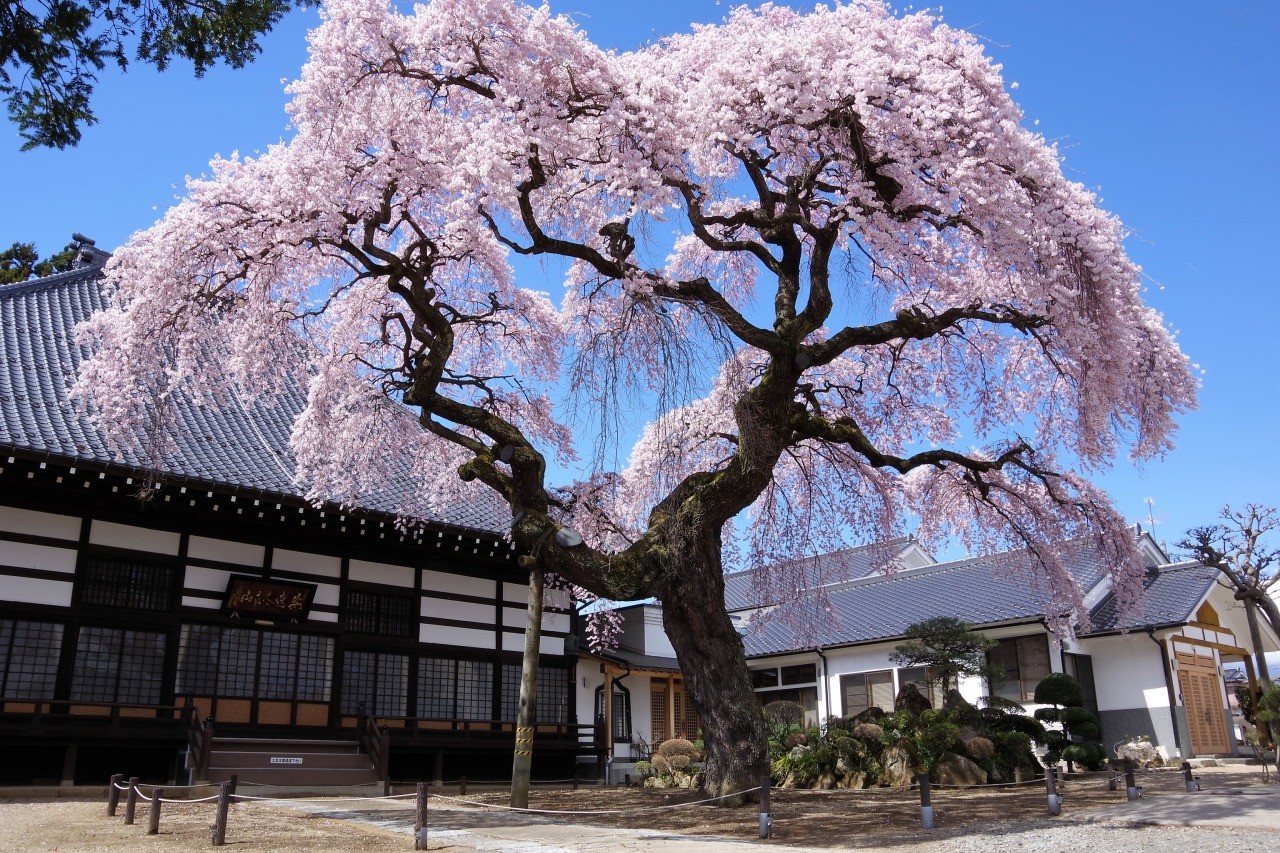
(1171, 109)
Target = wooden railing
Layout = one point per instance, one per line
(199, 741)
(114, 716)
(376, 743)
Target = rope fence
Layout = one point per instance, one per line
(132, 790)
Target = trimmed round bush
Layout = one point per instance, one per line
(979, 748)
(662, 764)
(677, 746)
(679, 761)
(1058, 688)
(794, 740)
(868, 731)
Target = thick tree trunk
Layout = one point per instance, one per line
(715, 670)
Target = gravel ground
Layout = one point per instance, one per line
(969, 822)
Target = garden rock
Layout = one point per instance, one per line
(911, 700)
(899, 767)
(1141, 752)
(955, 769)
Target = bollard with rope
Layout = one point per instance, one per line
(218, 830)
(153, 818)
(766, 816)
(926, 802)
(131, 802)
(1193, 784)
(113, 794)
(420, 818)
(1051, 788)
(1132, 791)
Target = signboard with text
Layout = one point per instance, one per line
(268, 598)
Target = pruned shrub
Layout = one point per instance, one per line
(677, 746)
(795, 739)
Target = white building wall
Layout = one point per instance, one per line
(1128, 672)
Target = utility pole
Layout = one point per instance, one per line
(523, 761)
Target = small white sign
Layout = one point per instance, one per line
(279, 760)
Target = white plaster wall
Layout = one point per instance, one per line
(36, 591)
(23, 556)
(461, 584)
(439, 608)
(240, 553)
(1127, 672)
(546, 645)
(311, 564)
(115, 535)
(590, 677)
(383, 573)
(656, 641)
(448, 635)
(39, 523)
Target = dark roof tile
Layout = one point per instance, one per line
(244, 445)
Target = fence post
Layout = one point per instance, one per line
(153, 819)
(220, 822)
(766, 815)
(462, 786)
(1192, 784)
(575, 783)
(113, 794)
(926, 802)
(1131, 785)
(1051, 787)
(131, 803)
(420, 819)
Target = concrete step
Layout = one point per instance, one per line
(288, 745)
(372, 789)
(1222, 761)
(311, 778)
(283, 758)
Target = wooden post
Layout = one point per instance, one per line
(1051, 789)
(607, 695)
(766, 813)
(462, 787)
(1192, 784)
(131, 804)
(220, 822)
(669, 709)
(69, 765)
(1019, 775)
(235, 781)
(437, 775)
(420, 819)
(1131, 786)
(113, 794)
(926, 802)
(384, 760)
(522, 762)
(153, 819)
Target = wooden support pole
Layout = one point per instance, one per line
(420, 819)
(462, 787)
(113, 794)
(437, 774)
(69, 765)
(766, 812)
(220, 821)
(1131, 786)
(926, 802)
(153, 819)
(131, 804)
(526, 713)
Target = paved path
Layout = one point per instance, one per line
(1245, 808)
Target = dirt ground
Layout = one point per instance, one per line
(814, 819)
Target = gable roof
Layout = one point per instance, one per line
(986, 590)
(1170, 596)
(243, 446)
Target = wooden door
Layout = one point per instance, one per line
(1202, 699)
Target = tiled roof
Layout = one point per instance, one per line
(1170, 596)
(742, 590)
(980, 590)
(244, 446)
